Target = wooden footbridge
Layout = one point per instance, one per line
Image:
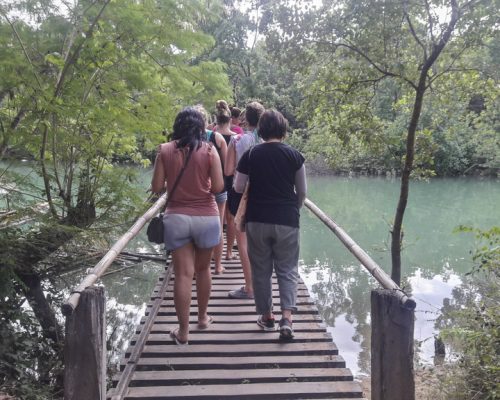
(231, 359)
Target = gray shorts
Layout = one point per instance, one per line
(203, 231)
(221, 197)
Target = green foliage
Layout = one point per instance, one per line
(28, 362)
(21, 349)
(245, 44)
(471, 325)
(363, 62)
(83, 84)
(79, 101)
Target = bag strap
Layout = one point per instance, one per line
(176, 183)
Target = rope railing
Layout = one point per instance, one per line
(373, 268)
(100, 268)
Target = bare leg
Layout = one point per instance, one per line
(218, 249)
(184, 266)
(230, 234)
(241, 239)
(203, 282)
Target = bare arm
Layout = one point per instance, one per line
(301, 185)
(158, 180)
(230, 165)
(240, 182)
(216, 177)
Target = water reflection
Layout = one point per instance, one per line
(343, 297)
(434, 259)
(128, 292)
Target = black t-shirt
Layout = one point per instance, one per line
(271, 168)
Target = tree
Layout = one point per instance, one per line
(86, 83)
(413, 44)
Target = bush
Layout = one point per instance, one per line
(471, 326)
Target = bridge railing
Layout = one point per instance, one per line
(85, 312)
(392, 324)
(392, 316)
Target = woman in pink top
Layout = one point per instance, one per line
(191, 220)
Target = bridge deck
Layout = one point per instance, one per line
(233, 358)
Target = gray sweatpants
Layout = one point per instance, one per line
(275, 246)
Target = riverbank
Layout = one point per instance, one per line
(428, 380)
(318, 167)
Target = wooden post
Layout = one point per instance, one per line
(85, 348)
(391, 347)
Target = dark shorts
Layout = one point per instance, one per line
(228, 182)
(233, 201)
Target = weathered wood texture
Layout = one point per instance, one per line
(85, 348)
(234, 358)
(391, 347)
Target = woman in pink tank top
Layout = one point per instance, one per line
(191, 220)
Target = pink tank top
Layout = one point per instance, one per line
(237, 129)
(192, 195)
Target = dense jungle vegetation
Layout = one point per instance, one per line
(406, 87)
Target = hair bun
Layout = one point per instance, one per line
(221, 105)
(222, 109)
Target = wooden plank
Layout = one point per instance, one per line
(227, 302)
(238, 319)
(201, 350)
(208, 337)
(225, 376)
(287, 390)
(241, 362)
(219, 286)
(225, 310)
(221, 327)
(222, 294)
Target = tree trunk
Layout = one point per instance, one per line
(410, 143)
(33, 291)
(396, 233)
(27, 256)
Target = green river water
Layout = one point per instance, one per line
(434, 258)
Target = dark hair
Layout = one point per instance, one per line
(189, 126)
(253, 111)
(272, 125)
(223, 114)
(235, 112)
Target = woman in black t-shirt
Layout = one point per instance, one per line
(276, 175)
